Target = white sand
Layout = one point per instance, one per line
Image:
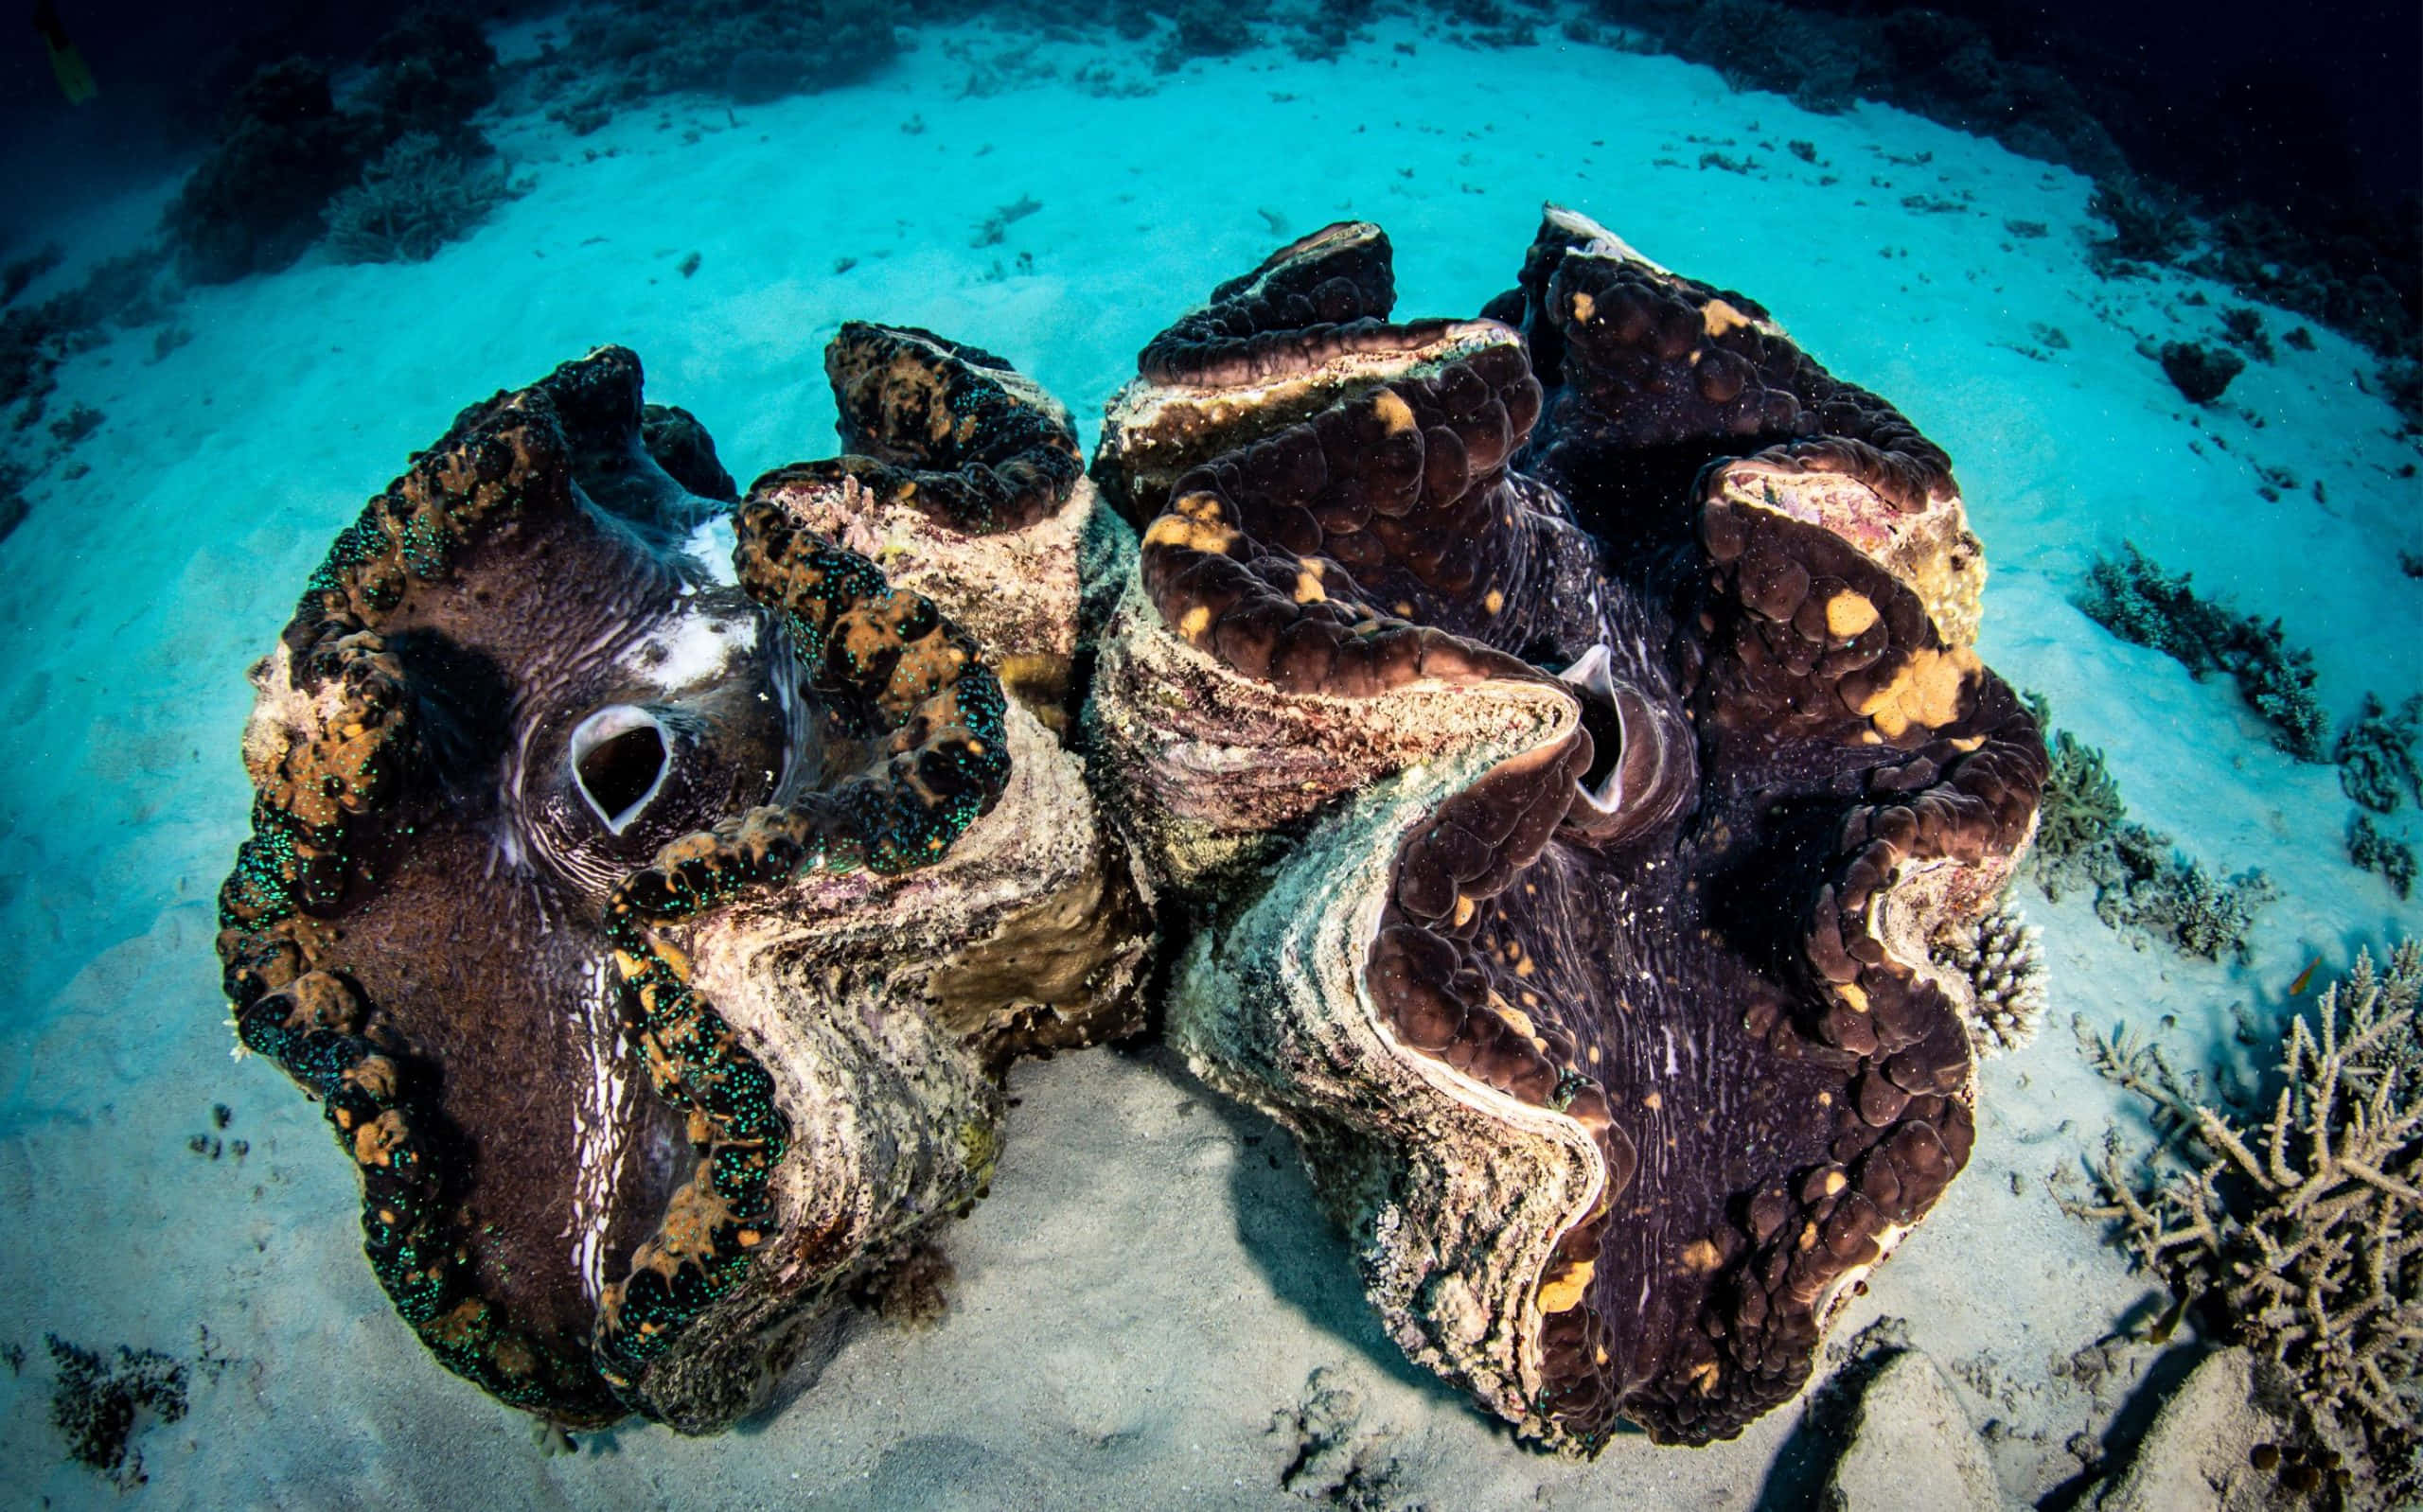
(1148, 1284)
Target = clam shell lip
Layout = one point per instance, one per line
(953, 431)
(596, 735)
(1928, 548)
(1591, 239)
(1595, 673)
(1338, 235)
(1377, 357)
(1829, 500)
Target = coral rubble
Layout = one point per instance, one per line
(2296, 1219)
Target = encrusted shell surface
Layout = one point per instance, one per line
(1566, 772)
(631, 1104)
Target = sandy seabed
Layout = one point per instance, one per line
(1142, 1304)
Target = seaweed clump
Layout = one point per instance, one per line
(2377, 765)
(2080, 809)
(93, 1404)
(2242, 327)
(2372, 850)
(2134, 599)
(2146, 227)
(2155, 890)
(2202, 374)
(2086, 839)
(2302, 1234)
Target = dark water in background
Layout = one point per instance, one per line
(2295, 133)
(2311, 108)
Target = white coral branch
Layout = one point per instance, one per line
(2310, 1231)
(2001, 961)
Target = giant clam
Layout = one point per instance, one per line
(656, 933)
(1553, 737)
(1568, 729)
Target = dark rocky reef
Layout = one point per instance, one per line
(749, 51)
(429, 75)
(1565, 730)
(2245, 172)
(2200, 374)
(1945, 67)
(289, 160)
(596, 891)
(253, 204)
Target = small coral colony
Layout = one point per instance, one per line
(1490, 745)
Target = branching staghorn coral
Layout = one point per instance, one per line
(2305, 1231)
(418, 195)
(2002, 958)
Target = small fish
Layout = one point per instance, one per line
(2168, 1323)
(2305, 977)
(67, 64)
